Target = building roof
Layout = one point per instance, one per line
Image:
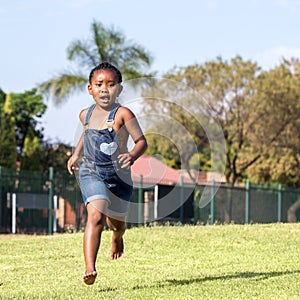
(155, 171)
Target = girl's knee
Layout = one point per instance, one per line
(96, 218)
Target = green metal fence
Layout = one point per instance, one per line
(35, 209)
(36, 184)
(248, 204)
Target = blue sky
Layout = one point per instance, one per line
(35, 34)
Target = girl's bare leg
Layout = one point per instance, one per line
(118, 226)
(92, 237)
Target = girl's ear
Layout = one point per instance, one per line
(89, 89)
(120, 89)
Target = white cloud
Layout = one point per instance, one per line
(272, 57)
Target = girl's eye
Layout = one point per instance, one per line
(110, 85)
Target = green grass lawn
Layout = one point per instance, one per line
(188, 262)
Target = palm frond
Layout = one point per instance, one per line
(62, 86)
(99, 37)
(80, 51)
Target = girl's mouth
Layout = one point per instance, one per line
(105, 97)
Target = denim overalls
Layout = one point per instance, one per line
(100, 176)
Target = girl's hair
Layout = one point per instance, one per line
(106, 66)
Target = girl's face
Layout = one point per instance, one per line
(104, 88)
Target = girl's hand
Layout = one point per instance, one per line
(126, 160)
(71, 164)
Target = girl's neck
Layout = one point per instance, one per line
(108, 108)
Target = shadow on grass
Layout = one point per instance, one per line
(245, 275)
(255, 275)
(180, 282)
(109, 289)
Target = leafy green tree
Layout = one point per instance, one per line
(257, 110)
(104, 44)
(228, 87)
(163, 149)
(8, 148)
(54, 155)
(19, 123)
(27, 108)
(32, 155)
(275, 139)
(222, 92)
(2, 100)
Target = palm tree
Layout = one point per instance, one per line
(105, 44)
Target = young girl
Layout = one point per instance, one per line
(104, 174)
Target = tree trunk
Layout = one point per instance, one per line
(291, 213)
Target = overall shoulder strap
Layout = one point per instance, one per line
(111, 116)
(88, 114)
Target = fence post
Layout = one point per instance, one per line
(155, 213)
(247, 198)
(181, 199)
(279, 203)
(14, 214)
(55, 214)
(50, 199)
(196, 205)
(212, 203)
(140, 201)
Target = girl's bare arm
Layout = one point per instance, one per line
(75, 156)
(140, 143)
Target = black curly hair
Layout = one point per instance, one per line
(106, 66)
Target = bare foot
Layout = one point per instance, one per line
(89, 277)
(117, 248)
